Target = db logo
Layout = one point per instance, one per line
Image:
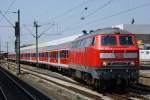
(119, 55)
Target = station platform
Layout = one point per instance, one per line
(145, 75)
(145, 70)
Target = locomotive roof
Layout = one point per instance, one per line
(111, 31)
(105, 31)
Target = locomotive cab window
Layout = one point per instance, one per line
(108, 40)
(125, 40)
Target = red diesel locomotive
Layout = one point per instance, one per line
(103, 58)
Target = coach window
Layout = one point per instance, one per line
(50, 54)
(61, 54)
(67, 53)
(34, 55)
(53, 54)
(46, 54)
(56, 55)
(42, 54)
(28, 55)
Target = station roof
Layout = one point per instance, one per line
(135, 28)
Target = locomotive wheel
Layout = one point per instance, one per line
(123, 84)
(98, 85)
(94, 86)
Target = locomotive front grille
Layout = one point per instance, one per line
(118, 55)
(119, 63)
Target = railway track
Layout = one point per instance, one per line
(2, 94)
(127, 95)
(13, 88)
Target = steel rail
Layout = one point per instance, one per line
(19, 86)
(108, 94)
(3, 94)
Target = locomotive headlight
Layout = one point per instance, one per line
(132, 63)
(104, 63)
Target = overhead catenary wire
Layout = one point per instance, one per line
(68, 11)
(9, 7)
(99, 8)
(25, 27)
(119, 13)
(5, 26)
(61, 15)
(106, 17)
(43, 32)
(6, 19)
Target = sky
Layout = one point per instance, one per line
(62, 18)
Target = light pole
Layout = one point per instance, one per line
(7, 55)
(0, 50)
(36, 36)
